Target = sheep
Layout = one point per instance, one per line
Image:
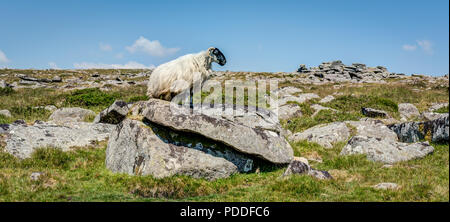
(176, 76)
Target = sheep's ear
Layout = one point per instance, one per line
(210, 49)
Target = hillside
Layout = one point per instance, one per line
(323, 111)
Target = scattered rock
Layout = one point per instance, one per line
(75, 114)
(135, 149)
(327, 99)
(288, 90)
(436, 106)
(250, 134)
(4, 128)
(22, 140)
(302, 68)
(324, 135)
(386, 151)
(373, 128)
(288, 111)
(408, 110)
(113, 114)
(35, 176)
(436, 130)
(56, 79)
(3, 84)
(297, 166)
(5, 113)
(386, 186)
(374, 113)
(432, 116)
(301, 98)
(319, 108)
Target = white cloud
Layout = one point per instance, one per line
(129, 65)
(53, 65)
(426, 45)
(407, 47)
(153, 48)
(105, 47)
(3, 58)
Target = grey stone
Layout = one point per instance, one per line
(408, 110)
(2, 84)
(327, 99)
(5, 113)
(436, 130)
(386, 186)
(74, 114)
(262, 142)
(373, 128)
(319, 108)
(427, 116)
(299, 167)
(301, 98)
(289, 111)
(35, 176)
(288, 90)
(21, 140)
(436, 106)
(113, 114)
(374, 112)
(134, 148)
(386, 151)
(4, 128)
(56, 79)
(324, 135)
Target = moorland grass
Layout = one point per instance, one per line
(81, 175)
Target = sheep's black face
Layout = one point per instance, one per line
(219, 57)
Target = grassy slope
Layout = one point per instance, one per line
(80, 175)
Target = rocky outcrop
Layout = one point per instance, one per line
(263, 140)
(386, 151)
(21, 139)
(74, 114)
(319, 108)
(113, 114)
(436, 130)
(336, 71)
(324, 135)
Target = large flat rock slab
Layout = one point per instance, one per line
(260, 138)
(139, 148)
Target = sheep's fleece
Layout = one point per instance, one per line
(174, 77)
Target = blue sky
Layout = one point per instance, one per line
(405, 36)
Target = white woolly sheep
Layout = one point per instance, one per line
(176, 76)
